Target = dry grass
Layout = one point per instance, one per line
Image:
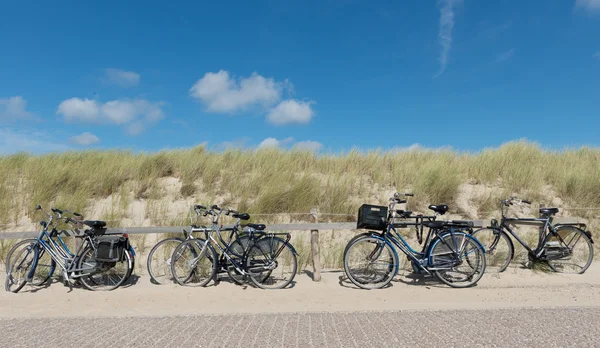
(273, 181)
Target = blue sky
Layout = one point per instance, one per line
(326, 75)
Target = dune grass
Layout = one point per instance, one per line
(274, 181)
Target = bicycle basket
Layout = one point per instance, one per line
(110, 248)
(372, 217)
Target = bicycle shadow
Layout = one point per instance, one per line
(246, 283)
(132, 280)
(346, 283)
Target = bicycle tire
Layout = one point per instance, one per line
(267, 261)
(91, 282)
(499, 249)
(239, 247)
(24, 266)
(578, 235)
(42, 274)
(154, 268)
(198, 261)
(439, 257)
(387, 271)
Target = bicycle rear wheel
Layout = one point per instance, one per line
(271, 263)
(238, 248)
(574, 255)
(103, 276)
(498, 246)
(370, 262)
(45, 267)
(194, 263)
(159, 261)
(16, 277)
(457, 260)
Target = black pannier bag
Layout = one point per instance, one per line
(110, 248)
(372, 217)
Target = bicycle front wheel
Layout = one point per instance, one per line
(370, 262)
(194, 263)
(271, 263)
(574, 254)
(498, 247)
(159, 261)
(103, 276)
(457, 260)
(17, 274)
(45, 267)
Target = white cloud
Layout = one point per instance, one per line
(291, 111)
(78, 110)
(308, 145)
(588, 5)
(504, 56)
(22, 141)
(221, 92)
(122, 78)
(597, 54)
(269, 143)
(275, 143)
(85, 139)
(14, 108)
(445, 31)
(134, 114)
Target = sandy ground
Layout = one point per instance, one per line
(516, 288)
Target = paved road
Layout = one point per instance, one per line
(458, 328)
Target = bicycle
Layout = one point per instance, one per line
(97, 255)
(556, 243)
(46, 265)
(450, 253)
(159, 258)
(262, 257)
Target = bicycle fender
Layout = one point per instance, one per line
(36, 254)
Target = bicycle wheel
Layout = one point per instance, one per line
(103, 276)
(370, 262)
(271, 263)
(45, 267)
(499, 250)
(574, 254)
(238, 248)
(16, 277)
(194, 263)
(457, 259)
(159, 261)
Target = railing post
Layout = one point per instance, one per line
(314, 246)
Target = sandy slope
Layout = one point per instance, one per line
(514, 288)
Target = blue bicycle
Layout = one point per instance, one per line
(100, 262)
(450, 253)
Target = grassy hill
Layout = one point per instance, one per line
(273, 181)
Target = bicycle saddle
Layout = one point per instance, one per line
(95, 223)
(258, 227)
(548, 211)
(243, 216)
(440, 208)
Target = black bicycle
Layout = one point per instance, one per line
(565, 248)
